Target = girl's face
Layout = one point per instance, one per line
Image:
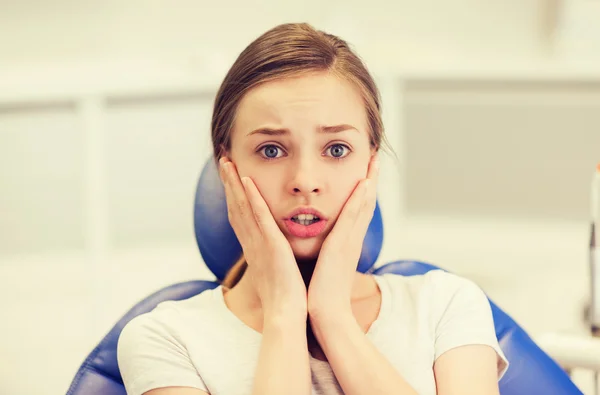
(304, 141)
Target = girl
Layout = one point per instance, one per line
(296, 129)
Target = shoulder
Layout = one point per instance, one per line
(440, 299)
(438, 294)
(169, 318)
(436, 286)
(169, 314)
(444, 286)
(152, 350)
(455, 309)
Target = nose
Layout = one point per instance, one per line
(304, 178)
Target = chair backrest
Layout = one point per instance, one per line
(531, 370)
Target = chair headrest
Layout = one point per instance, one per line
(218, 243)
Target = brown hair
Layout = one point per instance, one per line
(289, 50)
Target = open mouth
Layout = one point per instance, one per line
(305, 219)
(305, 225)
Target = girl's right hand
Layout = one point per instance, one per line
(271, 262)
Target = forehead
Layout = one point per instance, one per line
(307, 101)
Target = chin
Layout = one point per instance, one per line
(305, 249)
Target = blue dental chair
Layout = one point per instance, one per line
(531, 371)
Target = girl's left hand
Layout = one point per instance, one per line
(330, 287)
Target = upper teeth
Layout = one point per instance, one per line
(307, 217)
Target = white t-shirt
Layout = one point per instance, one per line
(200, 343)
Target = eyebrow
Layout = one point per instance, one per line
(322, 129)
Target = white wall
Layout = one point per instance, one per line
(70, 29)
(72, 41)
(104, 112)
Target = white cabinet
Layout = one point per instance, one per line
(516, 149)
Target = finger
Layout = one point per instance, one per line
(241, 204)
(364, 192)
(350, 212)
(373, 176)
(222, 162)
(367, 209)
(373, 171)
(359, 208)
(262, 213)
(238, 206)
(232, 212)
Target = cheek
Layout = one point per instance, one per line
(342, 188)
(264, 182)
(269, 187)
(345, 180)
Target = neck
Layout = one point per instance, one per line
(307, 268)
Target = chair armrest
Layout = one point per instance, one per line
(571, 351)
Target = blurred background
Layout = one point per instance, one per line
(493, 108)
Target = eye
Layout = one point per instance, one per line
(270, 151)
(338, 151)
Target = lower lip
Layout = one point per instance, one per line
(305, 231)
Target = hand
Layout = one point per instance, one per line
(271, 262)
(330, 287)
